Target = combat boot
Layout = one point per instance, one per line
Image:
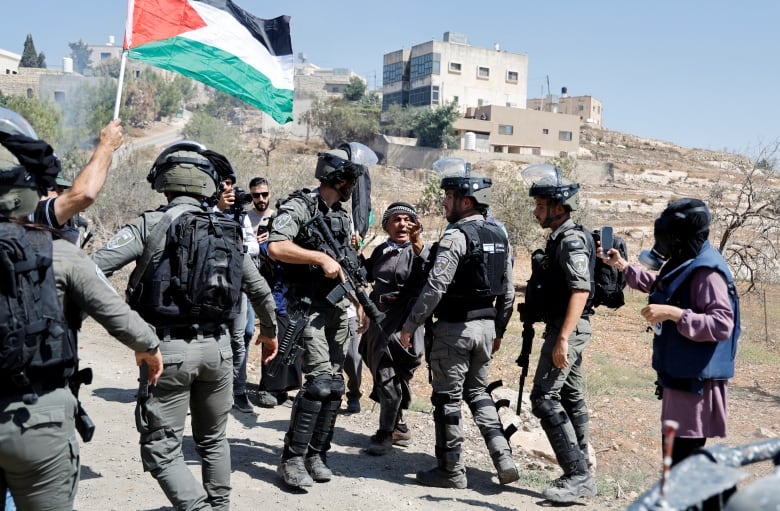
(571, 487)
(402, 436)
(380, 443)
(442, 478)
(294, 472)
(316, 466)
(505, 468)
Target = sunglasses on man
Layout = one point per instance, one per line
(257, 195)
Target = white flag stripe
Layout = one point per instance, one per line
(223, 31)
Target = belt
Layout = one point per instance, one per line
(190, 331)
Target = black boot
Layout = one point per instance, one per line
(316, 457)
(296, 441)
(449, 471)
(501, 454)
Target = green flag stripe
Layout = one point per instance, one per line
(220, 70)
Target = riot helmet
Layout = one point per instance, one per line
(336, 165)
(679, 233)
(28, 166)
(188, 167)
(545, 181)
(456, 175)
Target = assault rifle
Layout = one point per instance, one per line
(523, 360)
(355, 280)
(84, 424)
(290, 346)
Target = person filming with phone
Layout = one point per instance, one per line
(694, 310)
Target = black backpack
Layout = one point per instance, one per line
(36, 344)
(610, 282)
(198, 278)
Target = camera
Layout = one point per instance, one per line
(242, 197)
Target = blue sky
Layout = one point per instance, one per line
(696, 73)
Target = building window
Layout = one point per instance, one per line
(565, 136)
(104, 55)
(545, 131)
(29, 93)
(483, 72)
(581, 108)
(505, 129)
(511, 76)
(424, 65)
(435, 95)
(59, 96)
(393, 73)
(455, 99)
(423, 96)
(455, 67)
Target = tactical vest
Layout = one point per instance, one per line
(479, 278)
(681, 363)
(305, 279)
(547, 295)
(38, 350)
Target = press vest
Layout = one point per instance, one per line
(680, 362)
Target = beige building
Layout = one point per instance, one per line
(500, 129)
(587, 108)
(438, 72)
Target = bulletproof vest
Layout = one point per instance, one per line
(311, 279)
(480, 274)
(37, 346)
(548, 293)
(199, 275)
(680, 362)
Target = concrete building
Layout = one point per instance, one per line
(501, 129)
(9, 62)
(587, 108)
(438, 72)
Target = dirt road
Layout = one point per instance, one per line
(112, 477)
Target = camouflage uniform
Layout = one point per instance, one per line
(40, 452)
(325, 336)
(459, 360)
(198, 375)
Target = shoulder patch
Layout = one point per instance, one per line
(580, 263)
(120, 239)
(440, 266)
(282, 220)
(574, 243)
(445, 243)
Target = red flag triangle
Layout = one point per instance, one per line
(155, 20)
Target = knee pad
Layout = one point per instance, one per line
(578, 413)
(549, 412)
(439, 415)
(337, 387)
(318, 388)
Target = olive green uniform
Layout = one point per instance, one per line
(198, 374)
(325, 335)
(38, 445)
(557, 396)
(460, 355)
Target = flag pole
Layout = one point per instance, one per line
(119, 84)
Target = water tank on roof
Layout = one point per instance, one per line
(470, 141)
(67, 65)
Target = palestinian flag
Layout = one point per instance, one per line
(220, 44)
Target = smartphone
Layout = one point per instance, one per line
(606, 241)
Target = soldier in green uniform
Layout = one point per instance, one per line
(470, 292)
(39, 451)
(198, 372)
(310, 275)
(565, 303)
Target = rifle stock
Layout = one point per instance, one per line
(290, 347)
